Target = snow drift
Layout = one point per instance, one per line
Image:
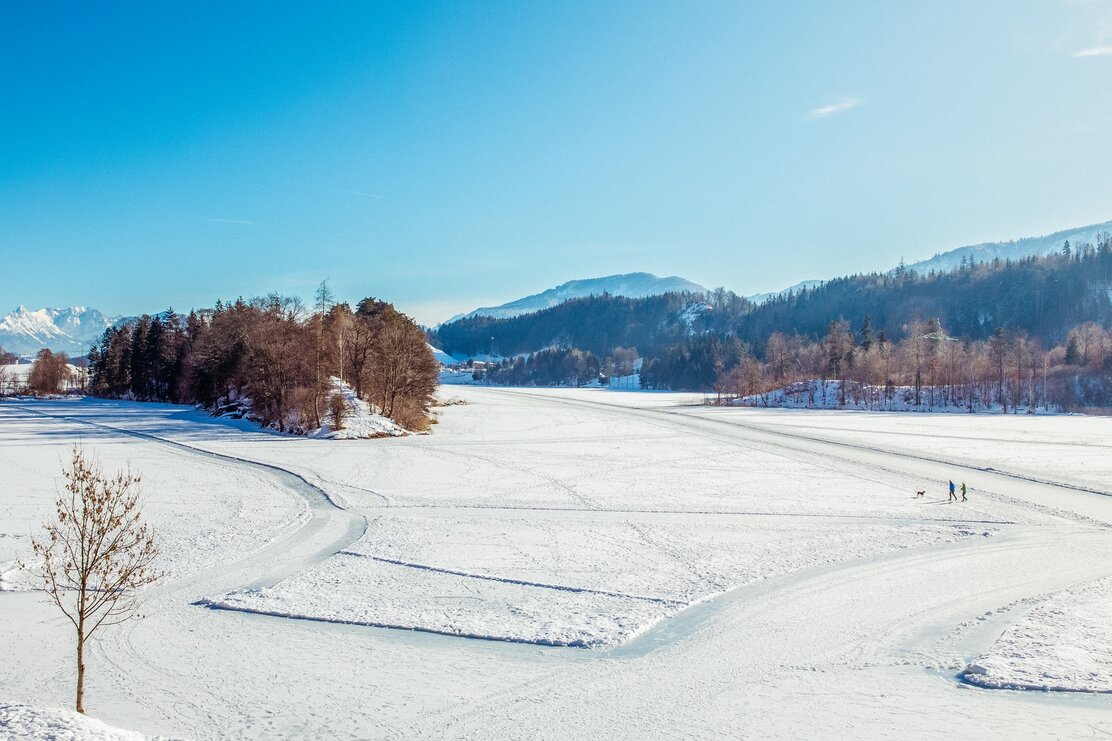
(1063, 643)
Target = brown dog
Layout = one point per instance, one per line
(920, 493)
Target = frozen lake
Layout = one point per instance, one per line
(555, 563)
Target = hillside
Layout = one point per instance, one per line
(629, 285)
(1043, 297)
(1014, 249)
(687, 339)
(594, 323)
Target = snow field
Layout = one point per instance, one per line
(203, 514)
(557, 580)
(735, 572)
(55, 724)
(1073, 449)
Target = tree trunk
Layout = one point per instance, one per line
(80, 671)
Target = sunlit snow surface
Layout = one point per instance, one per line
(56, 724)
(661, 567)
(573, 583)
(1062, 642)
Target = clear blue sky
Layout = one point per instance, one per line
(445, 156)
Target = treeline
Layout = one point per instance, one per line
(1003, 309)
(996, 310)
(560, 366)
(1042, 296)
(553, 366)
(929, 369)
(276, 354)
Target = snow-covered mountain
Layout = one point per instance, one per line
(442, 357)
(630, 285)
(72, 330)
(987, 251)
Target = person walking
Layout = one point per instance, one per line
(963, 491)
(953, 495)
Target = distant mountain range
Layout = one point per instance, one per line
(72, 330)
(1016, 248)
(629, 285)
(984, 252)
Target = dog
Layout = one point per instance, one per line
(922, 493)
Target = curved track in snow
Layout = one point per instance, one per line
(329, 529)
(889, 633)
(862, 648)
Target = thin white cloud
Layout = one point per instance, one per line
(229, 221)
(1096, 51)
(362, 193)
(833, 108)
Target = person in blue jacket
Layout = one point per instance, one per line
(953, 495)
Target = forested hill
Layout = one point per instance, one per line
(595, 323)
(1041, 296)
(1041, 304)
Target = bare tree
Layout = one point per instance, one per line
(338, 326)
(97, 552)
(337, 410)
(361, 352)
(276, 342)
(839, 352)
(778, 355)
(50, 373)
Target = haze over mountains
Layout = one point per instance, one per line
(640, 285)
(73, 330)
(629, 285)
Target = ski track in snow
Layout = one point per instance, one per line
(504, 580)
(807, 654)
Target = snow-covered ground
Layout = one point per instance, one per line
(359, 421)
(207, 514)
(647, 565)
(600, 597)
(1063, 642)
(57, 724)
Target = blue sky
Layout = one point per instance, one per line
(446, 156)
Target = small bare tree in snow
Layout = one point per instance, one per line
(97, 552)
(337, 410)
